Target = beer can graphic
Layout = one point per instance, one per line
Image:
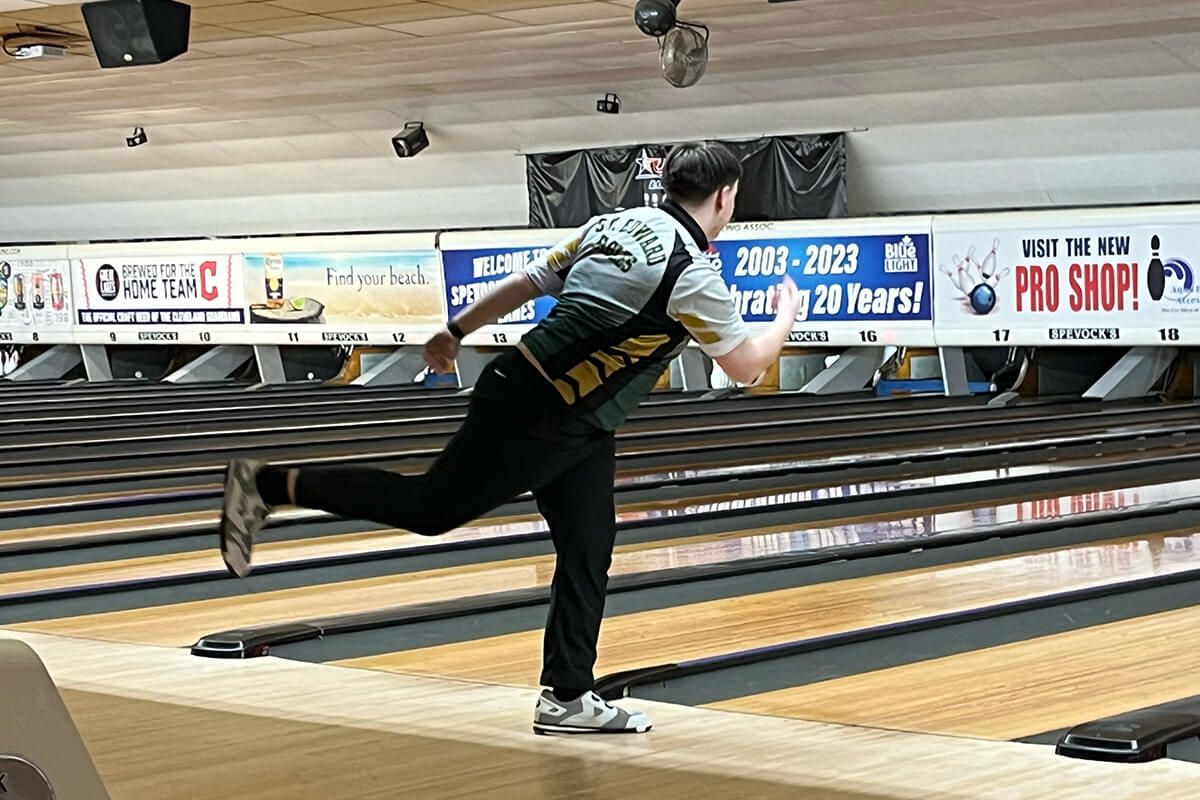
(19, 291)
(58, 297)
(3, 291)
(39, 291)
(273, 275)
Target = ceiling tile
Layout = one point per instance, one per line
(325, 6)
(397, 13)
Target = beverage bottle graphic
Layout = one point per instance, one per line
(38, 294)
(1156, 279)
(57, 296)
(273, 275)
(19, 292)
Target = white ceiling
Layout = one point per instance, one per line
(309, 91)
(284, 67)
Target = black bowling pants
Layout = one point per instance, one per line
(518, 436)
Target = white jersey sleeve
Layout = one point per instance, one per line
(702, 302)
(549, 272)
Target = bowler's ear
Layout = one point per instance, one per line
(726, 197)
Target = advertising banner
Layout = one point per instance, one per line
(473, 263)
(862, 283)
(1107, 278)
(344, 297)
(35, 300)
(186, 299)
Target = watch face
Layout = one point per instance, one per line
(22, 780)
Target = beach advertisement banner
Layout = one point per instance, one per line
(382, 298)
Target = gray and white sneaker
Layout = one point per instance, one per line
(242, 515)
(588, 713)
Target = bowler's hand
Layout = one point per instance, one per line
(440, 352)
(786, 299)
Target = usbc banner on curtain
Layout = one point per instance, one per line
(1078, 278)
(784, 177)
(869, 286)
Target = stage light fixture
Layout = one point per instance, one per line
(410, 141)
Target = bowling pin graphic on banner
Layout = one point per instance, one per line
(1172, 277)
(976, 282)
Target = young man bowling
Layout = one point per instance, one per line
(633, 288)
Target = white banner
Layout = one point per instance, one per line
(188, 299)
(383, 289)
(1107, 278)
(35, 301)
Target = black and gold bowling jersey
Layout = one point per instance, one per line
(633, 288)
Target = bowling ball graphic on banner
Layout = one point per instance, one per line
(976, 282)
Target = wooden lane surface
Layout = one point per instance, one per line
(146, 749)
(181, 624)
(746, 499)
(627, 477)
(773, 422)
(273, 442)
(162, 725)
(708, 629)
(1014, 690)
(386, 541)
(720, 459)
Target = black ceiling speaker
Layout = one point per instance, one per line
(410, 141)
(655, 17)
(131, 33)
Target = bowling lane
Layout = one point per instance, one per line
(667, 499)
(94, 573)
(398, 402)
(20, 399)
(145, 435)
(693, 632)
(1023, 688)
(713, 444)
(176, 620)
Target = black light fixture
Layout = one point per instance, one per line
(139, 137)
(655, 17)
(410, 141)
(609, 104)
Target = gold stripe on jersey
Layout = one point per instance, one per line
(558, 257)
(610, 362)
(700, 329)
(640, 347)
(586, 375)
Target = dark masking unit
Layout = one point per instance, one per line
(133, 33)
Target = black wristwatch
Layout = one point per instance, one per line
(455, 331)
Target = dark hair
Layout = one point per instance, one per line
(694, 171)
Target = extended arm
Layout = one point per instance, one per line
(510, 294)
(703, 304)
(545, 276)
(750, 359)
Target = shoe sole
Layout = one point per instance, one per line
(546, 729)
(236, 541)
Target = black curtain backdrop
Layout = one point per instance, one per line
(784, 177)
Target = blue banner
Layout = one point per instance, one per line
(471, 274)
(883, 278)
